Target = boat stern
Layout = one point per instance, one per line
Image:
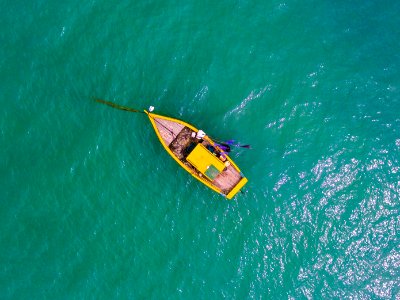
(237, 188)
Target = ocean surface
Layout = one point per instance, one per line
(92, 207)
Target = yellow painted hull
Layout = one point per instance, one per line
(233, 191)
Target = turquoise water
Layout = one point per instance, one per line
(93, 207)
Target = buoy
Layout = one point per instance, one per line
(151, 108)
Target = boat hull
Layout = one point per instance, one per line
(176, 136)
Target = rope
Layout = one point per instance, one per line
(119, 106)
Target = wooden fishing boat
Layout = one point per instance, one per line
(198, 154)
(194, 151)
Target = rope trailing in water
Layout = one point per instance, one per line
(117, 106)
(120, 107)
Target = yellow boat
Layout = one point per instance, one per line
(194, 151)
(198, 154)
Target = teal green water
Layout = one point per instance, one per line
(93, 207)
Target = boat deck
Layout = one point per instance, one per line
(168, 129)
(178, 138)
(227, 179)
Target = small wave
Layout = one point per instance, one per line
(255, 94)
